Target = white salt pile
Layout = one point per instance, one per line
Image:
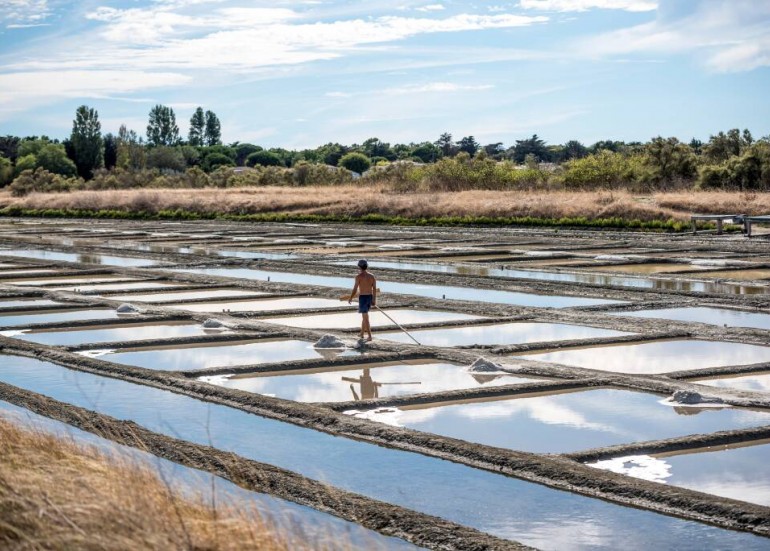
(482, 365)
(214, 325)
(690, 397)
(329, 341)
(127, 309)
(396, 246)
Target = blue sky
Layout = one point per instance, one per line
(300, 74)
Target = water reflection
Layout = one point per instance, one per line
(25, 318)
(218, 355)
(502, 334)
(352, 320)
(756, 382)
(568, 422)
(259, 305)
(94, 334)
(361, 383)
(658, 356)
(185, 295)
(503, 506)
(714, 316)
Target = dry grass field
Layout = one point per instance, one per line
(56, 494)
(355, 201)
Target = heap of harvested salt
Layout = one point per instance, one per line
(214, 325)
(329, 341)
(690, 397)
(127, 309)
(482, 365)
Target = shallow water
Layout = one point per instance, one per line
(738, 471)
(132, 332)
(27, 318)
(30, 271)
(503, 506)
(452, 292)
(61, 281)
(756, 382)
(286, 516)
(233, 253)
(185, 295)
(259, 305)
(658, 356)
(24, 303)
(431, 291)
(501, 334)
(105, 260)
(366, 381)
(352, 320)
(652, 268)
(570, 422)
(220, 355)
(738, 274)
(125, 286)
(714, 316)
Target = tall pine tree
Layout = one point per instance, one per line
(86, 141)
(197, 128)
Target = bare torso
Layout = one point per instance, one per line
(366, 283)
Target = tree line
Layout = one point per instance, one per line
(728, 160)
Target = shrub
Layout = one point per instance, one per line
(215, 161)
(355, 162)
(263, 158)
(41, 180)
(166, 158)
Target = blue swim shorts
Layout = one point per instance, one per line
(364, 303)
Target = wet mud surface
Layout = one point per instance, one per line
(137, 240)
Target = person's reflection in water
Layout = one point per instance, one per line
(369, 387)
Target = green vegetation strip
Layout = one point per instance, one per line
(385, 219)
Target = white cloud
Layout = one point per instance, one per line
(431, 7)
(437, 87)
(585, 5)
(728, 35)
(24, 11)
(159, 41)
(20, 91)
(338, 95)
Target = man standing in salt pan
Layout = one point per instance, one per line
(366, 288)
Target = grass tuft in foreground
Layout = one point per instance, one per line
(57, 494)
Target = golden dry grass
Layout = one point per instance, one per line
(56, 494)
(358, 201)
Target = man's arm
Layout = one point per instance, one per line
(374, 291)
(354, 291)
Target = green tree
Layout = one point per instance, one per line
(263, 158)
(355, 162)
(9, 147)
(53, 158)
(670, 160)
(725, 145)
(165, 157)
(197, 127)
(131, 152)
(243, 150)
(110, 151)
(444, 143)
(216, 160)
(426, 152)
(374, 147)
(573, 149)
(26, 162)
(531, 146)
(213, 132)
(494, 150)
(469, 145)
(162, 128)
(86, 140)
(6, 171)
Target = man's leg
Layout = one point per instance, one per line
(365, 325)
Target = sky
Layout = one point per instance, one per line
(302, 74)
